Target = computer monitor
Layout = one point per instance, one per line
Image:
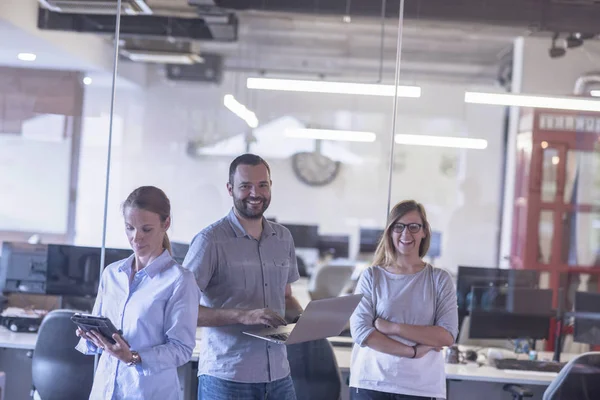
(178, 251)
(305, 236)
(587, 330)
(510, 313)
(469, 277)
(369, 239)
(23, 268)
(336, 245)
(435, 245)
(75, 270)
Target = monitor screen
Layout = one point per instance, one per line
(435, 245)
(369, 239)
(178, 251)
(469, 277)
(305, 236)
(23, 268)
(336, 245)
(587, 330)
(75, 270)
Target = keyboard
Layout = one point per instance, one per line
(280, 336)
(529, 365)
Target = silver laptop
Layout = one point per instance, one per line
(321, 319)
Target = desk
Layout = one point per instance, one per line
(462, 378)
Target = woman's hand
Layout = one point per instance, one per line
(119, 350)
(423, 349)
(386, 327)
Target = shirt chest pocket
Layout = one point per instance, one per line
(238, 275)
(281, 270)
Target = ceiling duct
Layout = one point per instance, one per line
(208, 71)
(102, 7)
(541, 15)
(148, 26)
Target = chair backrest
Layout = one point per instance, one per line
(2, 385)
(58, 370)
(329, 280)
(579, 379)
(314, 370)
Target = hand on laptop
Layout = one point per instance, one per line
(262, 316)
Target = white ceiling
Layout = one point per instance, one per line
(309, 45)
(17, 41)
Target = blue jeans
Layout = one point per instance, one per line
(211, 388)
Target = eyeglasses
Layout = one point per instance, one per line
(412, 228)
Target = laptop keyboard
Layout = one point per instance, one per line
(280, 336)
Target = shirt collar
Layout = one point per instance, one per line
(239, 230)
(157, 265)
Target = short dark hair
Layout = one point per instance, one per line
(246, 159)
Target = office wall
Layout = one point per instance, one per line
(460, 188)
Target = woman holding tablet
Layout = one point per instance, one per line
(152, 300)
(408, 312)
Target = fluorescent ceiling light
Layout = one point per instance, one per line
(161, 57)
(240, 110)
(367, 89)
(442, 141)
(26, 56)
(521, 100)
(329, 134)
(595, 93)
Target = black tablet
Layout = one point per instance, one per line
(89, 322)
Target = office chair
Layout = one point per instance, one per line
(2, 385)
(329, 280)
(314, 370)
(58, 370)
(579, 379)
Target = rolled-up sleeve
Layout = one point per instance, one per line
(446, 313)
(85, 346)
(363, 318)
(181, 315)
(201, 259)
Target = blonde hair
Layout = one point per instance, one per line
(385, 255)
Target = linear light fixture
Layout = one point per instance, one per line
(522, 100)
(331, 134)
(366, 89)
(442, 141)
(240, 110)
(26, 56)
(595, 93)
(161, 57)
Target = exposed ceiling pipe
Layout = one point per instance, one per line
(582, 84)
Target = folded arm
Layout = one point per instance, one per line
(435, 336)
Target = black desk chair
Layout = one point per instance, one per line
(314, 370)
(58, 370)
(579, 379)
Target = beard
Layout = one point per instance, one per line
(246, 210)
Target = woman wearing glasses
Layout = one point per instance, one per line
(408, 313)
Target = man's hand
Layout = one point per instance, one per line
(422, 350)
(386, 327)
(262, 316)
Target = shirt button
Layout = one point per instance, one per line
(266, 284)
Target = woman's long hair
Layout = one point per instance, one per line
(385, 255)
